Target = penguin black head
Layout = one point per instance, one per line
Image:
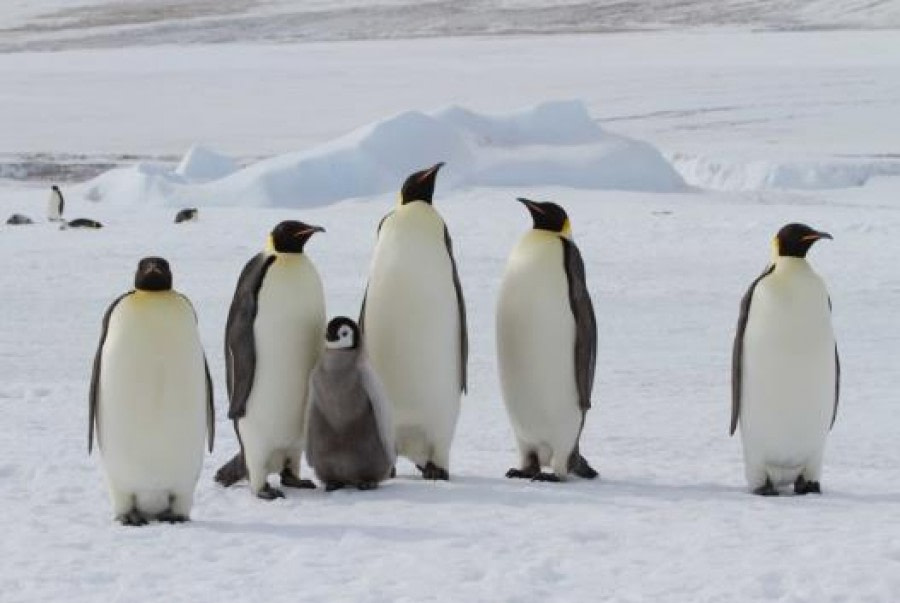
(794, 240)
(420, 186)
(55, 188)
(342, 334)
(153, 274)
(290, 236)
(548, 216)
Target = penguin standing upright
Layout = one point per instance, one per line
(414, 320)
(350, 436)
(151, 400)
(785, 369)
(55, 204)
(547, 347)
(273, 339)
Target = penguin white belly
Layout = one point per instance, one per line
(412, 329)
(54, 207)
(536, 347)
(152, 403)
(289, 330)
(788, 375)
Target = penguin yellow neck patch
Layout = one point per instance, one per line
(567, 229)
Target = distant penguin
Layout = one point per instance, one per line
(785, 369)
(81, 223)
(55, 204)
(19, 220)
(350, 436)
(151, 400)
(186, 215)
(273, 339)
(414, 321)
(547, 347)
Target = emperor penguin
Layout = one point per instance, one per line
(547, 347)
(785, 369)
(414, 320)
(151, 400)
(80, 224)
(188, 214)
(55, 204)
(350, 435)
(273, 339)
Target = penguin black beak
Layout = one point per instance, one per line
(816, 236)
(309, 231)
(531, 205)
(431, 172)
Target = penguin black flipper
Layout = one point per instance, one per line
(737, 355)
(240, 345)
(210, 407)
(94, 394)
(837, 379)
(585, 323)
(362, 310)
(463, 326)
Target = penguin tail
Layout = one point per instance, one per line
(580, 467)
(232, 472)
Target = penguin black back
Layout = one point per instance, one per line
(186, 215)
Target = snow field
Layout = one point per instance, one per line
(669, 517)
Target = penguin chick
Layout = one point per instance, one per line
(350, 439)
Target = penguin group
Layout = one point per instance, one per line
(351, 397)
(56, 205)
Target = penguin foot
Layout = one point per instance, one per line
(802, 486)
(545, 477)
(332, 486)
(232, 472)
(133, 518)
(767, 489)
(527, 473)
(432, 471)
(269, 493)
(366, 485)
(583, 469)
(169, 517)
(289, 480)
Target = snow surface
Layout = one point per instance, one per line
(670, 519)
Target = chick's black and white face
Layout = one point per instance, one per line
(342, 334)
